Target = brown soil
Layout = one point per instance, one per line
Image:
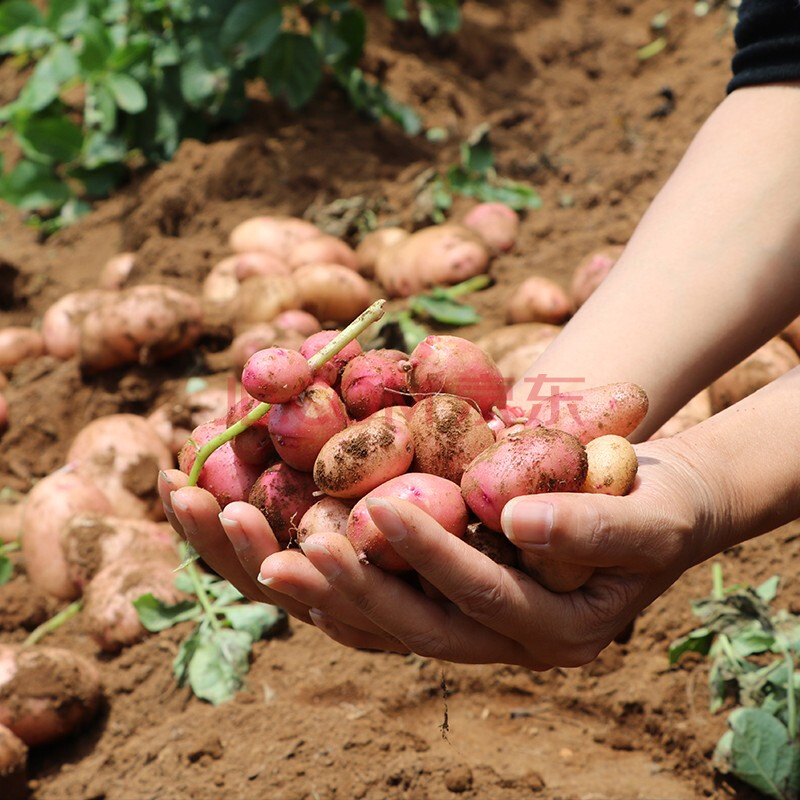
(572, 111)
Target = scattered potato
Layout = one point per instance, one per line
(323, 249)
(373, 244)
(18, 344)
(297, 321)
(539, 299)
(591, 272)
(332, 292)
(496, 223)
(514, 364)
(276, 235)
(262, 298)
(61, 324)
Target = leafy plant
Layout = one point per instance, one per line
(6, 564)
(436, 16)
(215, 657)
(752, 651)
(475, 176)
(115, 83)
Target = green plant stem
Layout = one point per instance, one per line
(9, 547)
(54, 623)
(718, 587)
(791, 700)
(467, 287)
(202, 596)
(354, 329)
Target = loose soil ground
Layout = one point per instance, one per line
(574, 112)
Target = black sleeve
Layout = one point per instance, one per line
(768, 43)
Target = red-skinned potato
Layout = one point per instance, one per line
(496, 223)
(254, 445)
(144, 324)
(436, 496)
(538, 299)
(13, 766)
(46, 693)
(332, 292)
(441, 255)
(769, 362)
(591, 272)
(116, 271)
(557, 576)
(18, 344)
(374, 380)
(329, 515)
(283, 495)
(122, 454)
(259, 337)
(276, 375)
(323, 249)
(331, 371)
(261, 299)
(373, 244)
(297, 321)
(276, 235)
(50, 505)
(363, 456)
(61, 324)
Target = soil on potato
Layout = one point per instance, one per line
(574, 112)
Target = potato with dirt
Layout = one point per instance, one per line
(48, 508)
(331, 371)
(329, 515)
(278, 236)
(276, 375)
(496, 223)
(61, 324)
(143, 325)
(122, 454)
(370, 247)
(538, 299)
(441, 255)
(13, 766)
(46, 693)
(363, 456)
(612, 466)
(331, 292)
(515, 363)
(374, 380)
(18, 344)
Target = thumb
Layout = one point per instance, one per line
(592, 529)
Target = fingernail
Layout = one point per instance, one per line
(321, 558)
(268, 581)
(526, 521)
(179, 504)
(321, 620)
(235, 533)
(388, 520)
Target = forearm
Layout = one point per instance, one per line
(711, 272)
(748, 457)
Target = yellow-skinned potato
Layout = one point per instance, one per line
(373, 244)
(331, 292)
(18, 344)
(61, 324)
(277, 235)
(538, 299)
(261, 299)
(323, 250)
(612, 466)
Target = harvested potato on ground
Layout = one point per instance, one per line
(441, 255)
(768, 363)
(261, 299)
(791, 334)
(496, 223)
(143, 324)
(371, 246)
(612, 466)
(503, 340)
(13, 766)
(538, 299)
(250, 341)
(109, 615)
(591, 272)
(50, 505)
(694, 412)
(332, 292)
(323, 249)
(93, 541)
(276, 235)
(61, 324)
(122, 454)
(514, 364)
(18, 344)
(10, 522)
(46, 693)
(329, 515)
(116, 271)
(297, 321)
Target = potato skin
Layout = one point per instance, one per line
(768, 363)
(10, 522)
(323, 249)
(448, 434)
(374, 380)
(61, 324)
(262, 298)
(331, 371)
(18, 344)
(329, 515)
(371, 246)
(297, 321)
(50, 505)
(363, 456)
(332, 292)
(116, 271)
(283, 495)
(531, 462)
(436, 496)
(46, 693)
(496, 223)
(276, 235)
(591, 272)
(13, 766)
(612, 466)
(538, 299)
(276, 375)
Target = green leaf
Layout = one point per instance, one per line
(51, 73)
(412, 332)
(156, 615)
(752, 639)
(351, 28)
(476, 151)
(439, 16)
(186, 651)
(26, 39)
(769, 589)
(698, 641)
(100, 108)
(97, 47)
(444, 310)
(131, 52)
(128, 93)
(224, 593)
(16, 14)
(100, 149)
(219, 665)
(515, 195)
(717, 688)
(396, 9)
(67, 17)
(6, 569)
(54, 139)
(256, 619)
(203, 72)
(293, 68)
(250, 29)
(33, 186)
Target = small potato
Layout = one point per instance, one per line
(276, 375)
(612, 466)
(50, 505)
(496, 223)
(116, 271)
(371, 246)
(297, 321)
(283, 495)
(109, 615)
(250, 341)
(591, 272)
(374, 380)
(768, 363)
(276, 235)
(514, 364)
(144, 324)
(503, 340)
(492, 544)
(18, 344)
(46, 693)
(122, 454)
(329, 515)
(693, 413)
(254, 445)
(61, 324)
(261, 299)
(331, 371)
(13, 766)
(323, 250)
(332, 292)
(538, 299)
(441, 255)
(363, 456)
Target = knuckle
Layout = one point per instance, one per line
(424, 643)
(483, 603)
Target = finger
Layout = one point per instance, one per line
(289, 575)
(170, 481)
(249, 534)
(352, 637)
(198, 514)
(425, 627)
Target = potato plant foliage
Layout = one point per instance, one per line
(117, 83)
